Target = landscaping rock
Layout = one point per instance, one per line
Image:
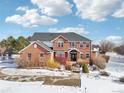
(104, 73)
(7, 78)
(14, 78)
(121, 79)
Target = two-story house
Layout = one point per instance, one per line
(66, 46)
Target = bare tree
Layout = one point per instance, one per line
(106, 46)
(119, 49)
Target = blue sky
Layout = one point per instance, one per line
(92, 19)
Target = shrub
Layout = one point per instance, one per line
(119, 49)
(52, 64)
(121, 79)
(100, 61)
(61, 60)
(68, 67)
(21, 63)
(85, 68)
(81, 61)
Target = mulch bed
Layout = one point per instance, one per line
(72, 80)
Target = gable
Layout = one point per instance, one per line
(59, 38)
(35, 46)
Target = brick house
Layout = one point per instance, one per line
(61, 46)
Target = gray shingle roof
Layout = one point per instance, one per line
(50, 36)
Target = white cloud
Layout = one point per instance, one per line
(119, 12)
(54, 7)
(116, 39)
(22, 8)
(31, 18)
(99, 10)
(79, 30)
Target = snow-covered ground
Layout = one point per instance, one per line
(8, 63)
(115, 68)
(90, 83)
(34, 72)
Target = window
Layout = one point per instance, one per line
(29, 56)
(60, 54)
(87, 45)
(81, 56)
(41, 54)
(81, 44)
(41, 57)
(73, 44)
(87, 55)
(60, 43)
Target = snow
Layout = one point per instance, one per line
(33, 72)
(89, 84)
(101, 85)
(33, 87)
(115, 68)
(7, 63)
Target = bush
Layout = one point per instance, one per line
(121, 79)
(81, 61)
(120, 49)
(21, 63)
(85, 68)
(100, 61)
(61, 60)
(68, 67)
(52, 64)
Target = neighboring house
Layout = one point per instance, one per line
(95, 51)
(64, 46)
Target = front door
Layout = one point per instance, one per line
(73, 55)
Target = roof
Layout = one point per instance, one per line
(44, 46)
(71, 36)
(95, 46)
(41, 44)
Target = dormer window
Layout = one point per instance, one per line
(60, 43)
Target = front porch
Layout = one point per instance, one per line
(71, 55)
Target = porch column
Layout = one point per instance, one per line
(52, 55)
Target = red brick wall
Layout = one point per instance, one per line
(67, 45)
(35, 53)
